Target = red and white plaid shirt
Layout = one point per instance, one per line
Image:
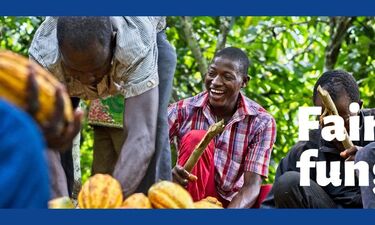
(244, 145)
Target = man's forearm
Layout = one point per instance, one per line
(245, 198)
(139, 147)
(133, 163)
(249, 192)
(57, 175)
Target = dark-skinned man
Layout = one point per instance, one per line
(96, 57)
(287, 191)
(366, 154)
(234, 163)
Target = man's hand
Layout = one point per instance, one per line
(181, 176)
(349, 154)
(57, 132)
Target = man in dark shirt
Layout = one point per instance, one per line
(367, 154)
(287, 191)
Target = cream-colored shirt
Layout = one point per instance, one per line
(134, 69)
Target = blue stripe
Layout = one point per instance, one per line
(185, 217)
(192, 7)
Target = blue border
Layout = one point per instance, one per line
(186, 217)
(190, 7)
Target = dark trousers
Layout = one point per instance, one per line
(108, 143)
(289, 194)
(367, 154)
(160, 165)
(66, 159)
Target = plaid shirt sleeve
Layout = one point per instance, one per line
(173, 120)
(260, 149)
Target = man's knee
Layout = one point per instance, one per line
(286, 182)
(366, 154)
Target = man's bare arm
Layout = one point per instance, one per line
(249, 192)
(139, 147)
(57, 175)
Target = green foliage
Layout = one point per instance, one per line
(17, 32)
(86, 151)
(87, 146)
(358, 56)
(287, 54)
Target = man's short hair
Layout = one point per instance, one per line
(335, 82)
(235, 54)
(81, 32)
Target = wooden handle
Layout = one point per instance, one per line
(213, 130)
(330, 109)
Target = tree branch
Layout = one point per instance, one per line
(212, 131)
(193, 44)
(226, 23)
(339, 30)
(307, 49)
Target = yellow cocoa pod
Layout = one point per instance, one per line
(100, 191)
(169, 195)
(204, 204)
(213, 200)
(137, 201)
(61, 203)
(14, 72)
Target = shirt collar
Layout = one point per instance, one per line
(249, 107)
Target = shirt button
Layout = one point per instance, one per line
(150, 83)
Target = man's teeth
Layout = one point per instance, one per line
(217, 91)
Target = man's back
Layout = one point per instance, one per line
(134, 64)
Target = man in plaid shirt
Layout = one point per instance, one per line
(234, 163)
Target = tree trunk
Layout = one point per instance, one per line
(339, 27)
(187, 26)
(226, 23)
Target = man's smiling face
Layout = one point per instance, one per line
(223, 82)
